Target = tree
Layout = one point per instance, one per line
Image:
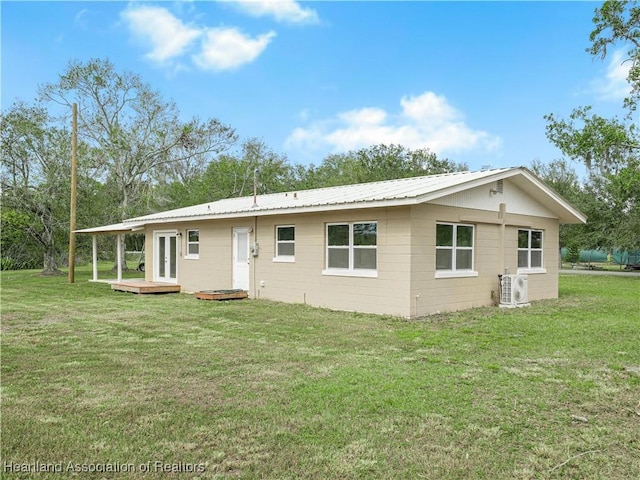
(35, 183)
(562, 177)
(619, 21)
(19, 249)
(610, 148)
(135, 136)
(377, 163)
(232, 175)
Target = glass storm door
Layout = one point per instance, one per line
(241, 258)
(166, 264)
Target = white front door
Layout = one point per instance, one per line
(165, 267)
(241, 258)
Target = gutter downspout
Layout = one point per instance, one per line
(256, 293)
(502, 216)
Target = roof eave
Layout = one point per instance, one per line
(564, 211)
(567, 214)
(460, 187)
(113, 229)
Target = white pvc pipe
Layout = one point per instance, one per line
(95, 258)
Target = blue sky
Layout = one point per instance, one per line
(469, 80)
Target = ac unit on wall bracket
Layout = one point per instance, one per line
(513, 291)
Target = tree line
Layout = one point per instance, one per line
(136, 156)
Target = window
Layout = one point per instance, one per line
(454, 249)
(530, 249)
(193, 244)
(352, 248)
(285, 243)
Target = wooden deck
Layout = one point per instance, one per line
(221, 295)
(145, 287)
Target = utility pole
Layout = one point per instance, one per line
(74, 167)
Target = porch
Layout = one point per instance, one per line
(119, 230)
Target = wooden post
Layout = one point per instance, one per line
(74, 166)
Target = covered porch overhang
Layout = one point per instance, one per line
(118, 229)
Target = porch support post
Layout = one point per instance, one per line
(95, 257)
(119, 254)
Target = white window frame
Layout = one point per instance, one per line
(192, 256)
(455, 272)
(285, 258)
(351, 271)
(529, 269)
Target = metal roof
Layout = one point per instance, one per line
(404, 191)
(400, 191)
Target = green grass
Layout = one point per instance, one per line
(257, 389)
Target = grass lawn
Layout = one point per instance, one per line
(100, 380)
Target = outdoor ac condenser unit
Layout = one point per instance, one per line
(513, 291)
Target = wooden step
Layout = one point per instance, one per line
(221, 295)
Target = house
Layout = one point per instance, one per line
(406, 247)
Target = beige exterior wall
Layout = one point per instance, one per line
(540, 285)
(303, 281)
(406, 283)
(431, 295)
(213, 269)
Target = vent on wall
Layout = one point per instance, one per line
(499, 187)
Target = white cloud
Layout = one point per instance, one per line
(364, 116)
(428, 108)
(613, 86)
(166, 35)
(424, 121)
(183, 6)
(287, 11)
(169, 39)
(80, 19)
(228, 48)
